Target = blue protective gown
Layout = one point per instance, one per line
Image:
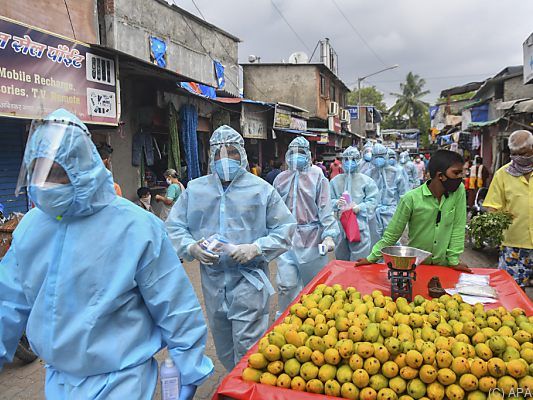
(409, 169)
(364, 193)
(247, 211)
(306, 194)
(391, 185)
(101, 290)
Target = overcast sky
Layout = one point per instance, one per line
(448, 42)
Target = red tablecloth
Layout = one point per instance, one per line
(366, 279)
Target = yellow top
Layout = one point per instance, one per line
(513, 194)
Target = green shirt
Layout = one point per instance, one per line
(173, 192)
(419, 210)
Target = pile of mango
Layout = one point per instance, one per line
(339, 343)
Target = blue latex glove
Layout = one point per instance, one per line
(187, 392)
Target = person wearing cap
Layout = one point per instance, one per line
(249, 216)
(305, 191)
(93, 279)
(511, 190)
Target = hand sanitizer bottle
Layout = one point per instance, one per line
(170, 380)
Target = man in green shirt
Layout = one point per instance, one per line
(435, 213)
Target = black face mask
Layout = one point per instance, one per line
(451, 184)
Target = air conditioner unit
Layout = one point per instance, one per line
(333, 108)
(345, 116)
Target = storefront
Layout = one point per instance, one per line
(41, 72)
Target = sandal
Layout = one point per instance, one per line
(435, 288)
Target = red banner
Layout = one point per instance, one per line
(40, 72)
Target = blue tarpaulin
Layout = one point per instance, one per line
(480, 113)
(158, 48)
(198, 88)
(219, 73)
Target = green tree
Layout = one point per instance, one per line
(370, 96)
(409, 103)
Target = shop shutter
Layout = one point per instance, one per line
(11, 150)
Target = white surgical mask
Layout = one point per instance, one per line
(146, 200)
(169, 182)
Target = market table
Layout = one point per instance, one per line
(366, 279)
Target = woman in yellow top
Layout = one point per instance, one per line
(511, 190)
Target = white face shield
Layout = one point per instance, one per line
(48, 142)
(227, 162)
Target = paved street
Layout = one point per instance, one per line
(27, 382)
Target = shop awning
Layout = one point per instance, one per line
(477, 125)
(524, 106)
(507, 105)
(296, 132)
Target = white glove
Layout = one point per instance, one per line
(245, 252)
(341, 203)
(355, 208)
(204, 256)
(329, 243)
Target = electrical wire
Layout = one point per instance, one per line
(290, 26)
(227, 51)
(359, 35)
(70, 19)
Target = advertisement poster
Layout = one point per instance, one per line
(254, 121)
(40, 72)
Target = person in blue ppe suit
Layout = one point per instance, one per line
(305, 191)
(366, 163)
(391, 185)
(364, 196)
(393, 162)
(249, 214)
(96, 313)
(410, 169)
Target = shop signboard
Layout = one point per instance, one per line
(391, 144)
(41, 71)
(282, 118)
(408, 144)
(324, 138)
(298, 123)
(354, 112)
(254, 121)
(528, 60)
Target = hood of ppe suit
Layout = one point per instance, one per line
(227, 136)
(379, 150)
(77, 155)
(298, 154)
(404, 157)
(351, 153)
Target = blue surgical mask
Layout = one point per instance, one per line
(53, 200)
(367, 157)
(379, 162)
(350, 166)
(392, 162)
(298, 161)
(227, 168)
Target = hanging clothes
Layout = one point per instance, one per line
(189, 124)
(174, 158)
(143, 143)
